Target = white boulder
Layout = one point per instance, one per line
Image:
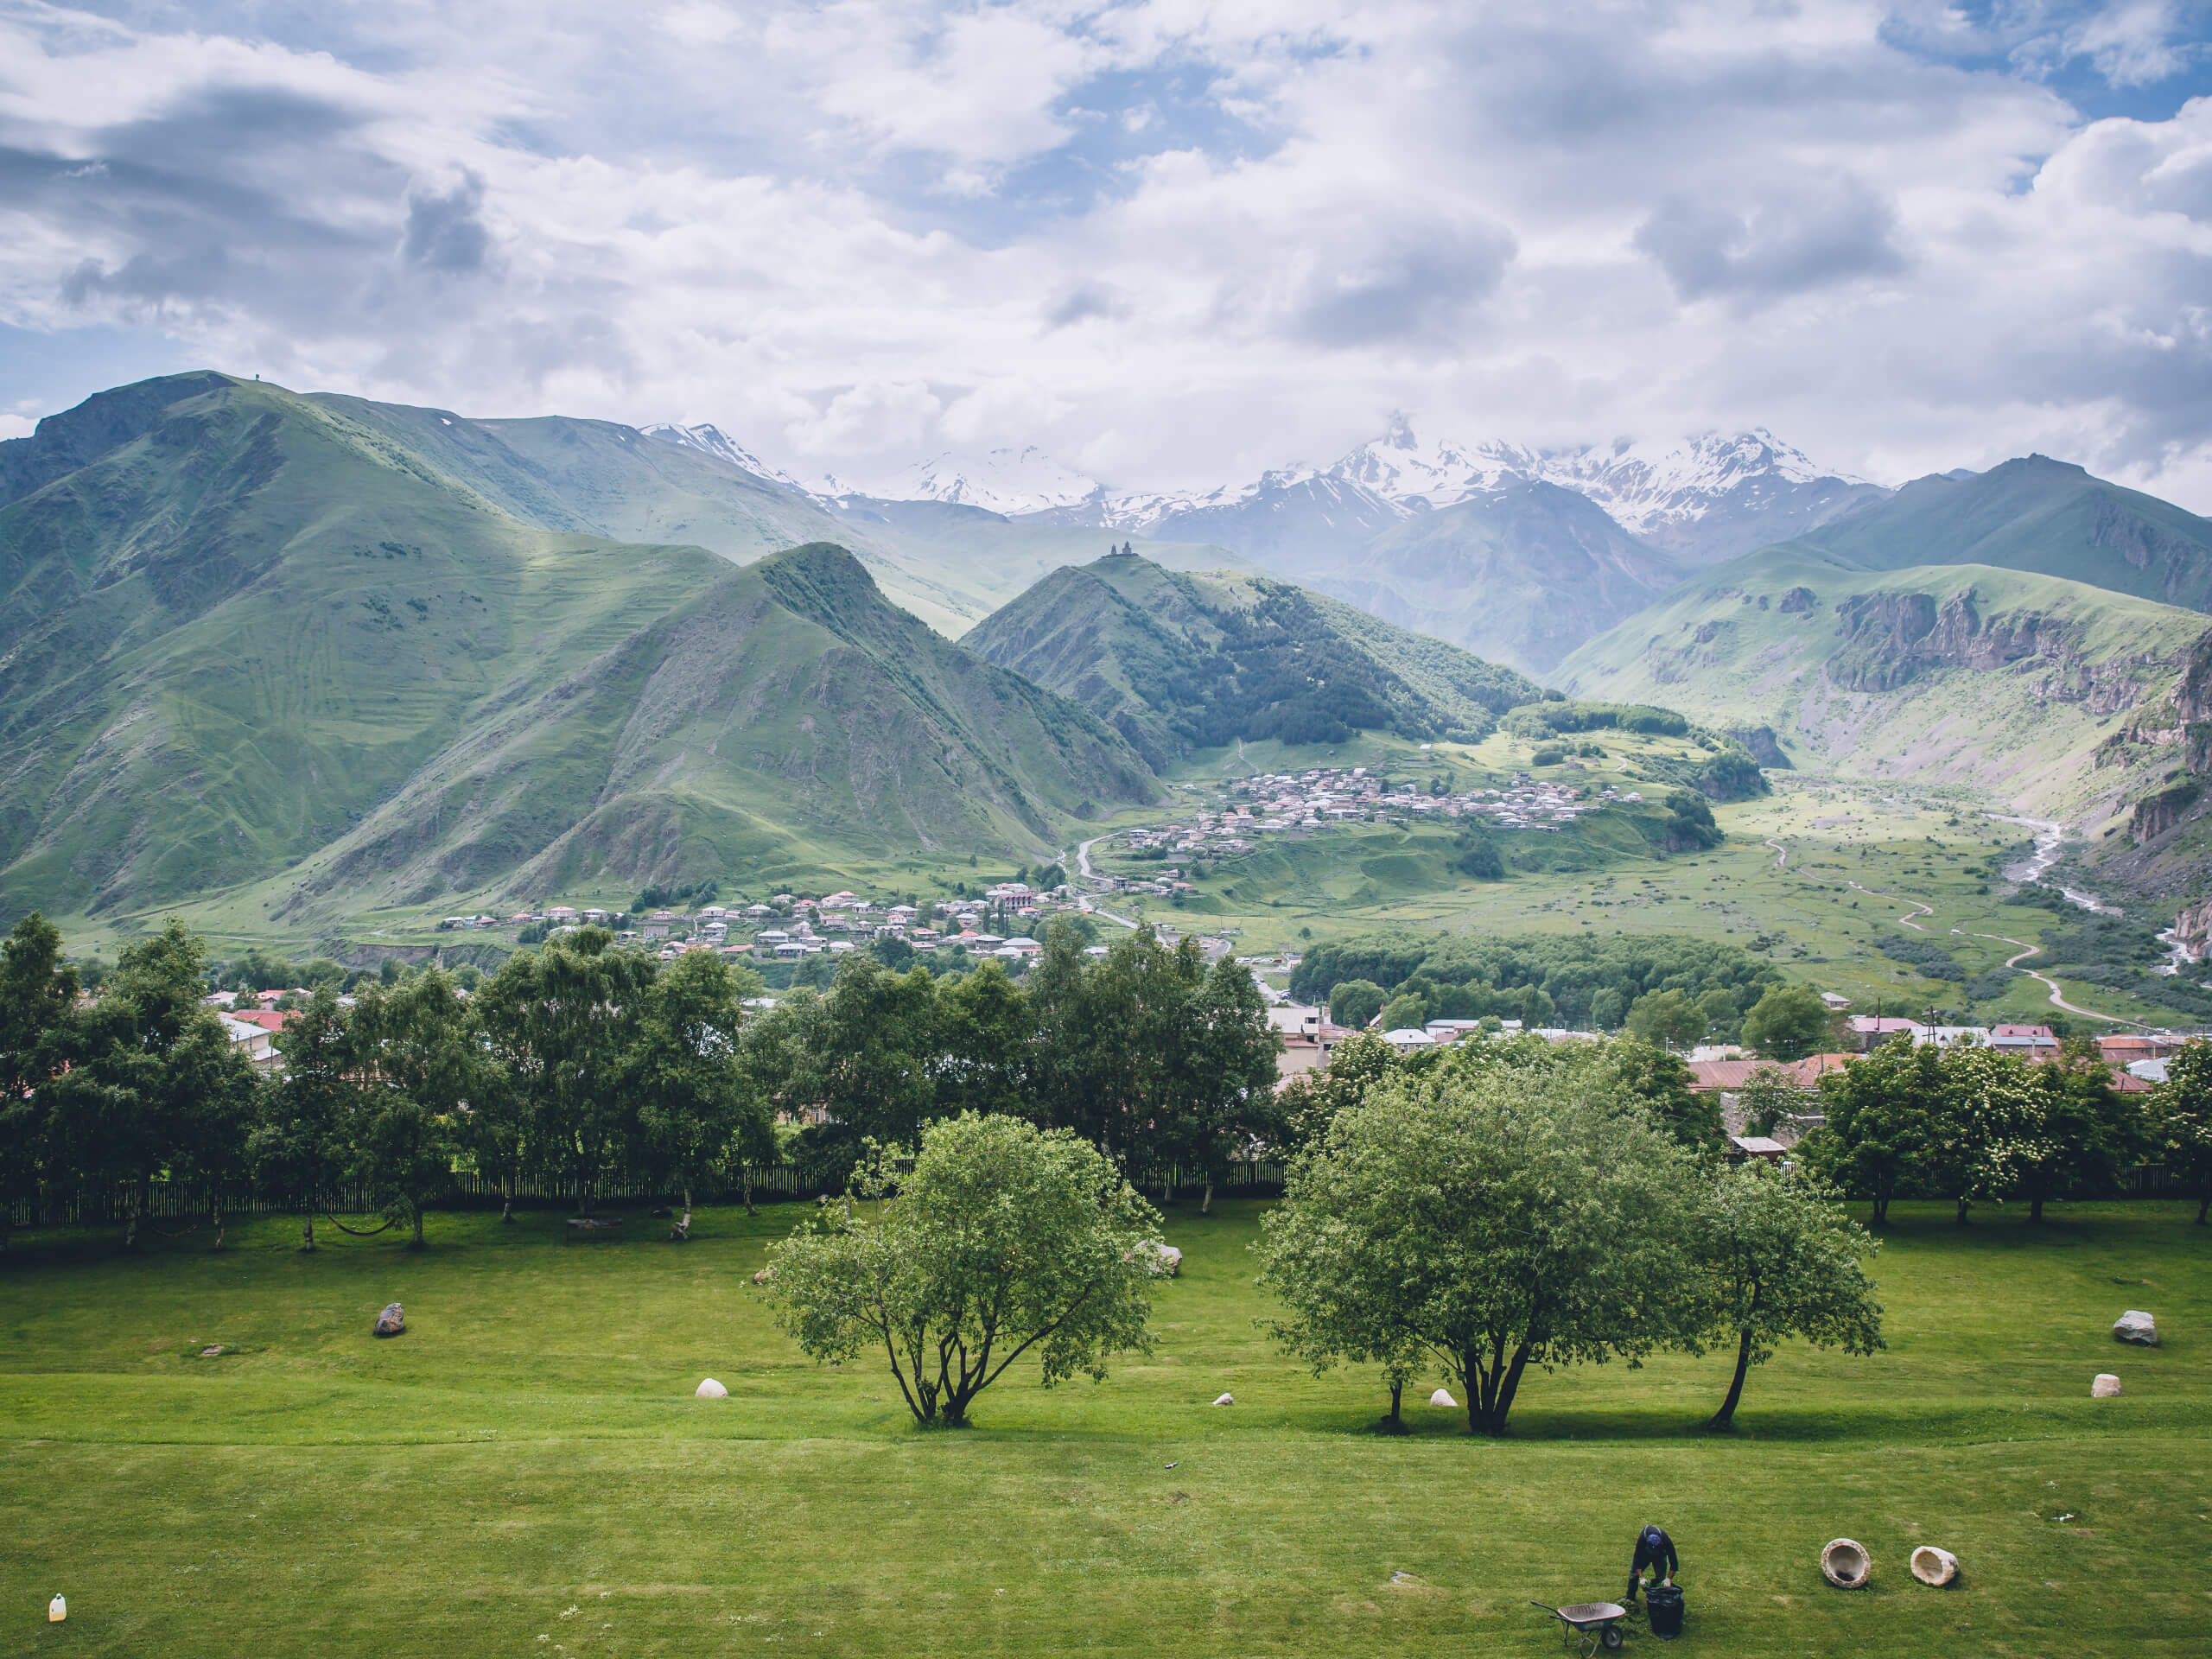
(2136, 1326)
(710, 1390)
(1226, 1400)
(1441, 1398)
(2104, 1386)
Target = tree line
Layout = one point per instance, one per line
(585, 1064)
(1974, 1125)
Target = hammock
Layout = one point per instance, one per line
(356, 1232)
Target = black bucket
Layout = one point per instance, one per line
(1664, 1606)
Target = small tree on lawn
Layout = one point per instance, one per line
(2181, 1116)
(1334, 1283)
(1002, 1240)
(1512, 1206)
(1780, 1259)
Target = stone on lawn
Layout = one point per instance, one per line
(1935, 1566)
(1440, 1398)
(391, 1321)
(710, 1390)
(1845, 1564)
(1226, 1400)
(2104, 1386)
(2138, 1327)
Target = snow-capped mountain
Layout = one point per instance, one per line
(1709, 499)
(1015, 482)
(713, 440)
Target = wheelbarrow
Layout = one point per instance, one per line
(1587, 1626)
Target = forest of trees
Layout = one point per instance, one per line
(584, 1064)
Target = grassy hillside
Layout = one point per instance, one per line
(1179, 662)
(1522, 577)
(260, 633)
(2034, 514)
(528, 1461)
(1948, 674)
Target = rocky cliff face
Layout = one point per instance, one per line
(2192, 929)
(1889, 638)
(2156, 814)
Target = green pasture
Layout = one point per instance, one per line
(526, 1471)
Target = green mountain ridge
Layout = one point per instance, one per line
(261, 633)
(2037, 515)
(2003, 680)
(1177, 661)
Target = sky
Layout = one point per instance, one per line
(1172, 242)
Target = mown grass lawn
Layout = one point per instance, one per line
(525, 1472)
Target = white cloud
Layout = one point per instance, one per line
(1175, 240)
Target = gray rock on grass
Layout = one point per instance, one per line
(391, 1321)
(2136, 1326)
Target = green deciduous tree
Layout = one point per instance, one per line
(1404, 1012)
(1148, 1055)
(154, 1081)
(1354, 1002)
(698, 1107)
(1662, 1081)
(2067, 1133)
(1778, 1258)
(38, 992)
(565, 1017)
(300, 1148)
(1787, 1023)
(1667, 1020)
(1768, 1096)
(1509, 1206)
(2181, 1115)
(423, 1060)
(1882, 1110)
(1002, 1240)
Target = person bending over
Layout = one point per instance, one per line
(1654, 1550)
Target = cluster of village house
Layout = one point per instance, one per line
(1310, 800)
(2137, 1060)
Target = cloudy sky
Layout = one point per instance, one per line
(1172, 241)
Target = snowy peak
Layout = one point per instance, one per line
(713, 440)
(1010, 481)
(1419, 475)
(1709, 496)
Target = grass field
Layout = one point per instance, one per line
(525, 1472)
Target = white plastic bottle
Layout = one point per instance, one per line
(56, 1610)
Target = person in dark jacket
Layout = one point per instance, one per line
(1654, 1550)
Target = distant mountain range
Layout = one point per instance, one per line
(341, 653)
(321, 651)
(1510, 551)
